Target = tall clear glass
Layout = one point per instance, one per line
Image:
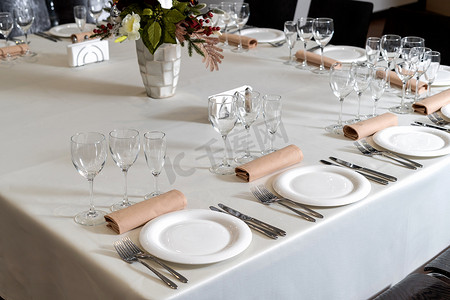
(272, 118)
(409, 42)
(373, 49)
(377, 85)
(290, 33)
(24, 17)
(155, 155)
(323, 30)
(390, 46)
(79, 14)
(431, 72)
(240, 15)
(95, 9)
(405, 70)
(363, 76)
(6, 25)
(227, 8)
(305, 33)
(422, 57)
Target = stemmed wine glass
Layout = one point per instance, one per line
(409, 42)
(249, 107)
(405, 70)
(342, 80)
(390, 46)
(431, 72)
(95, 9)
(24, 17)
(6, 25)
(223, 115)
(363, 75)
(373, 49)
(305, 33)
(377, 85)
(124, 145)
(323, 30)
(227, 8)
(290, 33)
(240, 15)
(272, 118)
(79, 13)
(421, 56)
(155, 155)
(89, 151)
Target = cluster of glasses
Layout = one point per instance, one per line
(89, 153)
(233, 14)
(95, 8)
(322, 29)
(224, 111)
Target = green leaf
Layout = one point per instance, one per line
(169, 33)
(174, 16)
(154, 32)
(180, 6)
(147, 12)
(130, 9)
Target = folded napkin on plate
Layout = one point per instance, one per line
(370, 126)
(396, 81)
(270, 163)
(431, 104)
(140, 213)
(233, 39)
(315, 58)
(81, 37)
(13, 50)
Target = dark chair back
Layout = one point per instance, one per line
(271, 14)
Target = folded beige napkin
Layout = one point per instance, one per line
(395, 80)
(140, 213)
(270, 163)
(431, 104)
(233, 39)
(81, 37)
(13, 50)
(314, 58)
(370, 126)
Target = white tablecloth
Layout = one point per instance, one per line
(355, 252)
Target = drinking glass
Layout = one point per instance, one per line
(305, 33)
(155, 155)
(363, 76)
(323, 30)
(124, 146)
(342, 80)
(227, 8)
(79, 13)
(290, 33)
(390, 45)
(24, 17)
(409, 42)
(95, 9)
(222, 113)
(240, 15)
(420, 56)
(405, 70)
(89, 151)
(249, 107)
(377, 85)
(6, 25)
(272, 118)
(431, 72)
(373, 49)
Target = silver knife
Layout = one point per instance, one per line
(431, 126)
(362, 169)
(370, 177)
(43, 35)
(244, 217)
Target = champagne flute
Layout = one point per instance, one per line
(305, 33)
(272, 118)
(155, 155)
(390, 45)
(323, 30)
(24, 17)
(79, 13)
(409, 42)
(222, 113)
(405, 70)
(6, 25)
(377, 85)
(227, 8)
(290, 32)
(342, 80)
(240, 15)
(95, 9)
(373, 49)
(431, 72)
(124, 146)
(89, 151)
(421, 56)
(363, 75)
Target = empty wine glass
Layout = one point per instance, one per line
(363, 75)
(227, 8)
(290, 33)
(89, 151)
(409, 42)
(431, 72)
(24, 18)
(421, 56)
(79, 13)
(272, 118)
(377, 85)
(155, 155)
(6, 25)
(95, 9)
(405, 70)
(249, 107)
(342, 80)
(323, 30)
(124, 146)
(305, 33)
(222, 112)
(240, 15)
(373, 49)
(390, 45)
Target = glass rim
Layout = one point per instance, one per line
(136, 133)
(78, 134)
(214, 98)
(148, 135)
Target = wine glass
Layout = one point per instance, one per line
(222, 113)
(390, 45)
(323, 30)
(155, 155)
(89, 151)
(240, 15)
(377, 85)
(24, 18)
(290, 33)
(305, 33)
(227, 8)
(124, 146)
(6, 25)
(249, 107)
(421, 56)
(272, 118)
(342, 80)
(79, 13)
(373, 49)
(405, 70)
(363, 75)
(409, 42)
(431, 72)
(95, 9)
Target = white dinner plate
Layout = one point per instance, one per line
(195, 236)
(264, 35)
(442, 77)
(66, 30)
(322, 185)
(445, 110)
(414, 140)
(344, 53)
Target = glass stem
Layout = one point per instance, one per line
(125, 188)
(247, 149)
(156, 176)
(321, 58)
(375, 107)
(416, 94)
(341, 101)
(429, 89)
(271, 137)
(91, 198)
(224, 159)
(304, 54)
(388, 81)
(358, 116)
(226, 36)
(240, 39)
(402, 104)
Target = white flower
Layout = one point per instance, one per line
(166, 3)
(130, 27)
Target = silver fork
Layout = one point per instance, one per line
(267, 200)
(129, 257)
(368, 152)
(275, 198)
(437, 119)
(370, 148)
(128, 243)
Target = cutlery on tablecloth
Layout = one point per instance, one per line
(129, 257)
(48, 37)
(370, 177)
(431, 126)
(437, 119)
(363, 169)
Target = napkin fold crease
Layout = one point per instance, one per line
(432, 104)
(314, 58)
(13, 50)
(370, 126)
(233, 40)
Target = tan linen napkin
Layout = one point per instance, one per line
(13, 50)
(233, 39)
(81, 37)
(370, 126)
(140, 213)
(270, 163)
(315, 59)
(431, 104)
(395, 80)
